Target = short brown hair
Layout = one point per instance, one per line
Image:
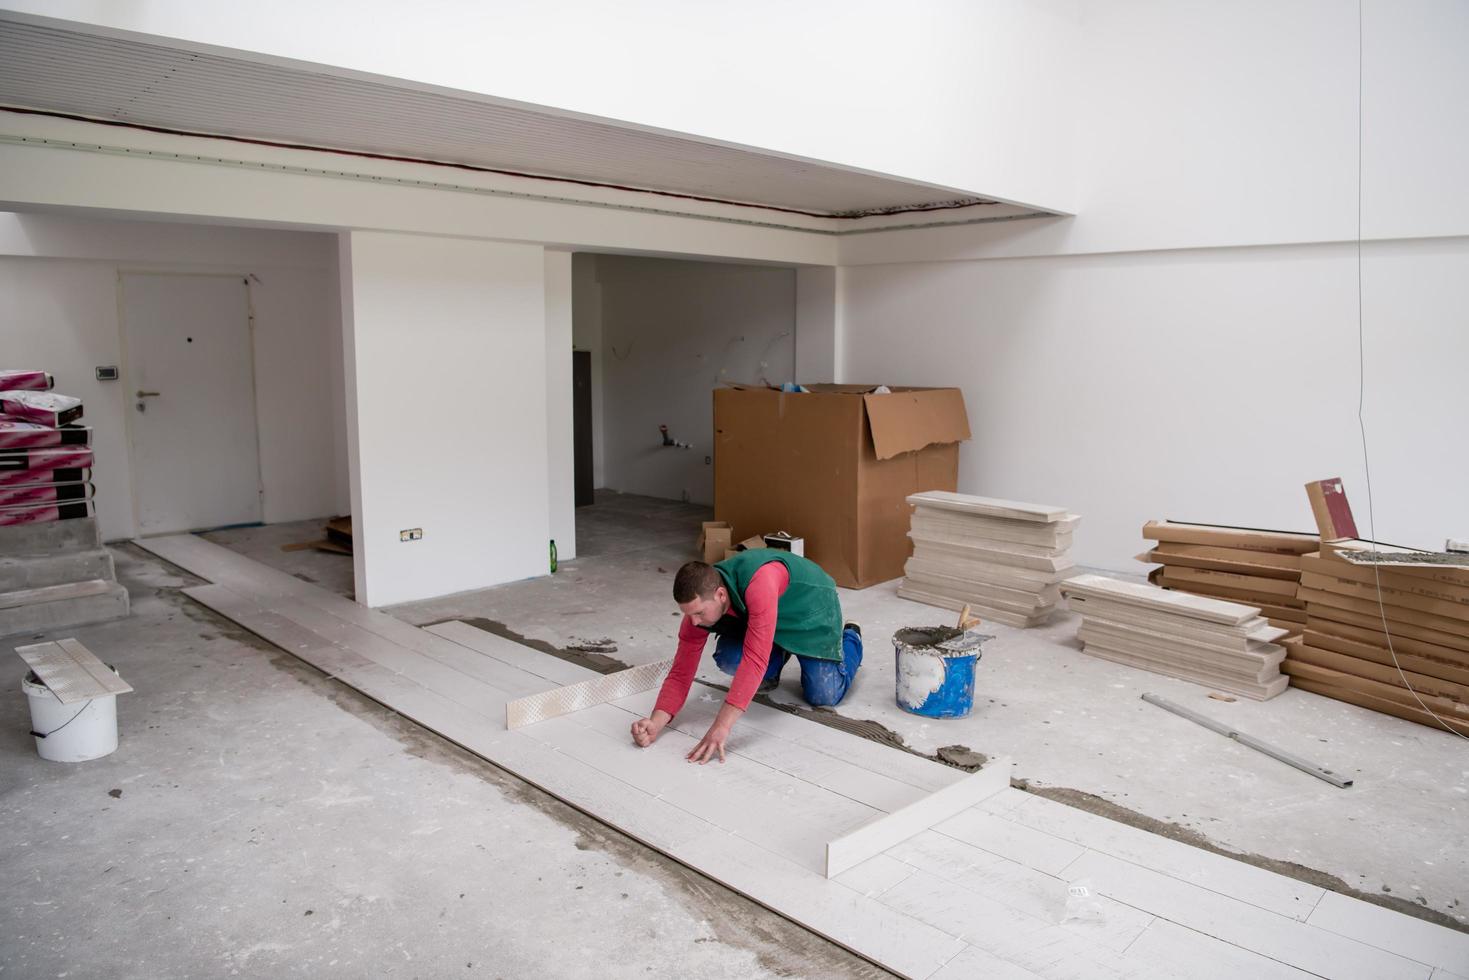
(696, 580)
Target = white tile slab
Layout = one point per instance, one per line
(1022, 940)
(869, 928)
(1242, 924)
(875, 875)
(1034, 848)
(1006, 801)
(877, 791)
(555, 702)
(71, 672)
(1186, 953)
(750, 738)
(1402, 934)
(883, 832)
(554, 669)
(779, 814)
(645, 818)
(452, 663)
(325, 656)
(974, 962)
(1260, 887)
(1023, 889)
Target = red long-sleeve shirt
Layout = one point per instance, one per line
(762, 596)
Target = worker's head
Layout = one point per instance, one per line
(700, 593)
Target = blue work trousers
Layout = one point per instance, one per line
(823, 682)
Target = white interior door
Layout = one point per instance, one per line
(191, 401)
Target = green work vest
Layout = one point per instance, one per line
(808, 619)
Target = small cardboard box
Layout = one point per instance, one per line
(783, 541)
(714, 538)
(838, 462)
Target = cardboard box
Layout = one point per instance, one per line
(838, 462)
(714, 539)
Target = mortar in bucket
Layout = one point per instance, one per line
(936, 669)
(71, 732)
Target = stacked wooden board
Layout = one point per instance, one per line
(1002, 558)
(1407, 656)
(1222, 645)
(1257, 568)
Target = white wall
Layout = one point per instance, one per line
(1201, 385)
(857, 82)
(1201, 362)
(446, 368)
(58, 280)
(672, 332)
(586, 319)
(818, 321)
(560, 459)
(1210, 125)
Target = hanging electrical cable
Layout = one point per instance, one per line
(1362, 397)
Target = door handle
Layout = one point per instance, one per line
(148, 394)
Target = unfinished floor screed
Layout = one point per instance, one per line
(967, 890)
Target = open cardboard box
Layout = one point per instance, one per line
(714, 540)
(837, 462)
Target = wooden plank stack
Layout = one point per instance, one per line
(1221, 645)
(1257, 568)
(1002, 558)
(1417, 667)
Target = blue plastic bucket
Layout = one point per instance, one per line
(935, 670)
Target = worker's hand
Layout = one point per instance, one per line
(712, 744)
(645, 731)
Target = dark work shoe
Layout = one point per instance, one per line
(768, 685)
(853, 627)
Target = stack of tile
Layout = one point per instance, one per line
(45, 459)
(1001, 558)
(1407, 655)
(1257, 568)
(1222, 645)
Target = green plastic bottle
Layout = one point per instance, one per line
(553, 556)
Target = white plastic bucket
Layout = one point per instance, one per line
(73, 732)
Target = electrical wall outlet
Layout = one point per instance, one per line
(410, 534)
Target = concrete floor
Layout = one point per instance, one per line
(260, 819)
(1075, 725)
(269, 820)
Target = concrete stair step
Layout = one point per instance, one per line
(37, 571)
(51, 538)
(56, 607)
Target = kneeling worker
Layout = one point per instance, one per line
(765, 605)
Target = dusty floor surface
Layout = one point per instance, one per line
(259, 819)
(269, 820)
(1075, 725)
